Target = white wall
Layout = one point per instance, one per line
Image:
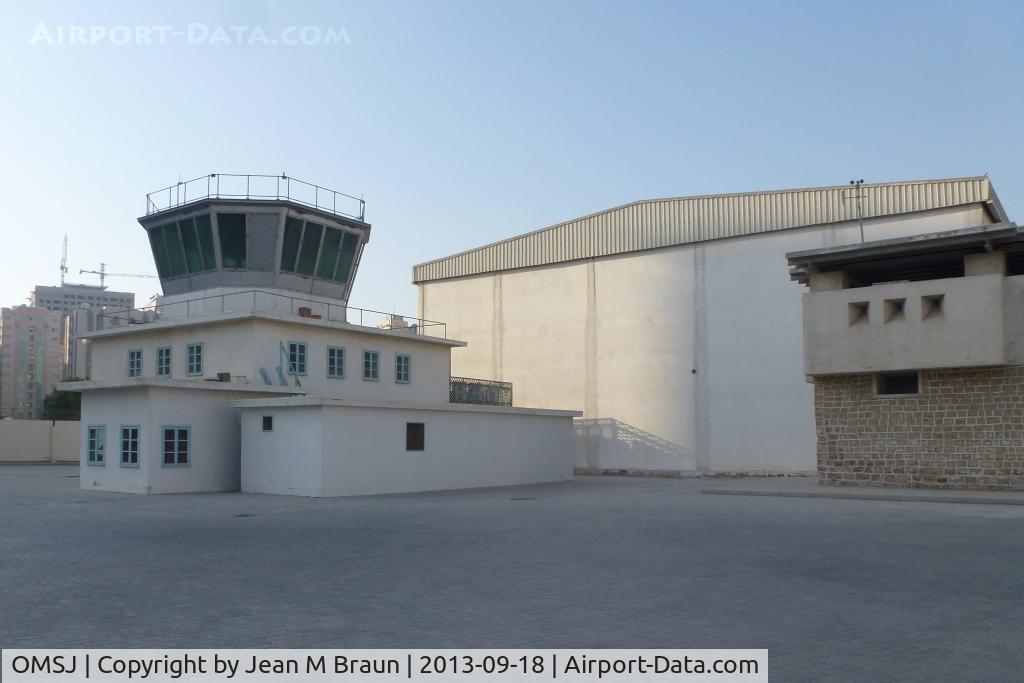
(968, 332)
(684, 358)
(38, 441)
(288, 460)
(214, 440)
(364, 450)
(242, 347)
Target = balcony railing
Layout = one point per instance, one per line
(255, 187)
(259, 301)
(479, 391)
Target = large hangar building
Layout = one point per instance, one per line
(672, 323)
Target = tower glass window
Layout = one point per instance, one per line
(310, 246)
(156, 242)
(174, 251)
(348, 254)
(231, 228)
(328, 254)
(205, 234)
(193, 259)
(290, 244)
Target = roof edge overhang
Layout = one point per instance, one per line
(267, 316)
(986, 237)
(214, 202)
(985, 196)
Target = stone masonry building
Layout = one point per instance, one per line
(915, 348)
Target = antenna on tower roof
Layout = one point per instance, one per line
(856, 185)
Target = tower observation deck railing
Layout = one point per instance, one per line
(255, 301)
(255, 187)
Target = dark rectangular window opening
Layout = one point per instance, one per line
(309, 248)
(231, 227)
(328, 254)
(898, 383)
(156, 241)
(290, 244)
(193, 257)
(205, 234)
(346, 257)
(415, 436)
(268, 423)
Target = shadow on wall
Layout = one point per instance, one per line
(608, 443)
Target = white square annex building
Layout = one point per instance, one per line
(252, 373)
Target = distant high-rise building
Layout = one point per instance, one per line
(68, 297)
(80, 305)
(31, 360)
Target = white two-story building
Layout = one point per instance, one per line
(254, 374)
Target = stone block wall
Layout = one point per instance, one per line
(964, 430)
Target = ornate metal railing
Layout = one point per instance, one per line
(259, 187)
(479, 391)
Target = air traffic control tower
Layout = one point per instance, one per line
(221, 233)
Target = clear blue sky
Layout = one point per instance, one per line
(466, 122)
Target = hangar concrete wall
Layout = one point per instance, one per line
(686, 358)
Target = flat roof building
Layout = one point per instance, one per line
(668, 322)
(248, 374)
(915, 347)
(31, 362)
(66, 298)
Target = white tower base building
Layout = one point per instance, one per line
(249, 376)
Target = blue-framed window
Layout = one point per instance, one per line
(296, 358)
(194, 355)
(336, 362)
(135, 363)
(176, 444)
(163, 361)
(97, 445)
(403, 368)
(371, 366)
(129, 445)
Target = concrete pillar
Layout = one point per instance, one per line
(823, 282)
(988, 263)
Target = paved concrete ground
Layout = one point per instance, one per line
(836, 589)
(808, 487)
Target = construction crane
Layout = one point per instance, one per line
(64, 261)
(102, 272)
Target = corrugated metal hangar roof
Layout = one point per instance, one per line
(654, 223)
